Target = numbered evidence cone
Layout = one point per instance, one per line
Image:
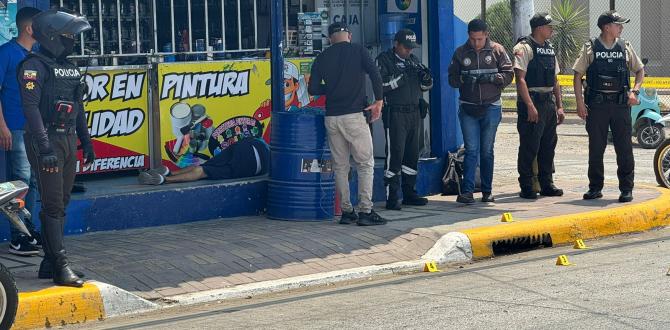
(579, 245)
(562, 260)
(430, 267)
(507, 217)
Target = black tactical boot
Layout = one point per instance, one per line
(393, 186)
(52, 236)
(46, 271)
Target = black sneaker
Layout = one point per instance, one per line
(348, 218)
(22, 247)
(593, 194)
(551, 191)
(415, 200)
(370, 219)
(626, 196)
(487, 198)
(151, 178)
(465, 198)
(36, 239)
(528, 194)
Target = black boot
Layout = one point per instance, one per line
(52, 236)
(46, 271)
(393, 186)
(409, 195)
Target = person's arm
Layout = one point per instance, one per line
(580, 69)
(315, 86)
(635, 65)
(376, 79)
(82, 130)
(30, 76)
(560, 113)
(522, 90)
(454, 71)
(5, 133)
(390, 80)
(505, 69)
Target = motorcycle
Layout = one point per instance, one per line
(662, 159)
(647, 129)
(12, 206)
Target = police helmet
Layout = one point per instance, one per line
(50, 25)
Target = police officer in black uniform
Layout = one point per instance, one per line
(605, 104)
(539, 106)
(52, 92)
(404, 80)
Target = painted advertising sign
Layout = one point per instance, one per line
(207, 106)
(116, 107)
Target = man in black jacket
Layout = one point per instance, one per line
(405, 79)
(339, 73)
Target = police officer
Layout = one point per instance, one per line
(404, 80)
(605, 104)
(536, 67)
(51, 91)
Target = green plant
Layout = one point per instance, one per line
(571, 33)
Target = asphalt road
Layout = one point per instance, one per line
(619, 283)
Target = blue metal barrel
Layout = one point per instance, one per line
(302, 184)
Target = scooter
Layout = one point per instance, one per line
(662, 159)
(645, 117)
(12, 206)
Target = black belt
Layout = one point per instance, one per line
(541, 96)
(403, 108)
(62, 130)
(607, 98)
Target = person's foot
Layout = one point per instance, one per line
(161, 169)
(487, 197)
(528, 194)
(370, 219)
(151, 178)
(393, 204)
(23, 247)
(593, 194)
(551, 191)
(348, 218)
(626, 196)
(36, 239)
(415, 200)
(465, 198)
(46, 270)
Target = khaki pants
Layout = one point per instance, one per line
(349, 136)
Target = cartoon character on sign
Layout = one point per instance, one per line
(295, 96)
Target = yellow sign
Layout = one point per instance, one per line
(116, 108)
(563, 261)
(207, 106)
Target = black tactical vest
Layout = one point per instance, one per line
(542, 68)
(609, 70)
(61, 92)
(410, 92)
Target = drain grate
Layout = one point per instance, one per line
(521, 244)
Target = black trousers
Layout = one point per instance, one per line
(55, 190)
(402, 149)
(536, 140)
(601, 118)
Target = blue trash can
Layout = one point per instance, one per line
(302, 182)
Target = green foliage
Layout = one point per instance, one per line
(499, 19)
(571, 33)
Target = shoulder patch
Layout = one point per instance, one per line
(30, 74)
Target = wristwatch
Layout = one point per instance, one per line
(635, 91)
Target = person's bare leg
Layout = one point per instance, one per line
(188, 174)
(183, 170)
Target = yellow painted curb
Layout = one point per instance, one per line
(58, 306)
(565, 229)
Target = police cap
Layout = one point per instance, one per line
(542, 19)
(407, 38)
(611, 17)
(337, 27)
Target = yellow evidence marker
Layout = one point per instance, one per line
(563, 261)
(579, 245)
(507, 217)
(430, 267)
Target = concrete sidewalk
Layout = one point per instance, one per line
(179, 262)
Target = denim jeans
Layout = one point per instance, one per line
(18, 168)
(479, 136)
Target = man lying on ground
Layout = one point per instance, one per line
(246, 158)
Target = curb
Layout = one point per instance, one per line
(59, 306)
(568, 228)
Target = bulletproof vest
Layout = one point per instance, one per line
(410, 92)
(609, 70)
(542, 68)
(61, 92)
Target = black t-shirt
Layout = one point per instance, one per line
(339, 73)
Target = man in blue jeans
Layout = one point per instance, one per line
(12, 124)
(480, 69)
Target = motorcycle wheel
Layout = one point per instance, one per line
(662, 164)
(650, 136)
(9, 298)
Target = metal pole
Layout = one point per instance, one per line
(81, 35)
(137, 27)
(277, 56)
(118, 24)
(255, 25)
(102, 38)
(483, 15)
(612, 4)
(190, 30)
(207, 27)
(223, 24)
(174, 45)
(239, 26)
(155, 29)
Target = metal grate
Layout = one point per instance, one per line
(521, 244)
